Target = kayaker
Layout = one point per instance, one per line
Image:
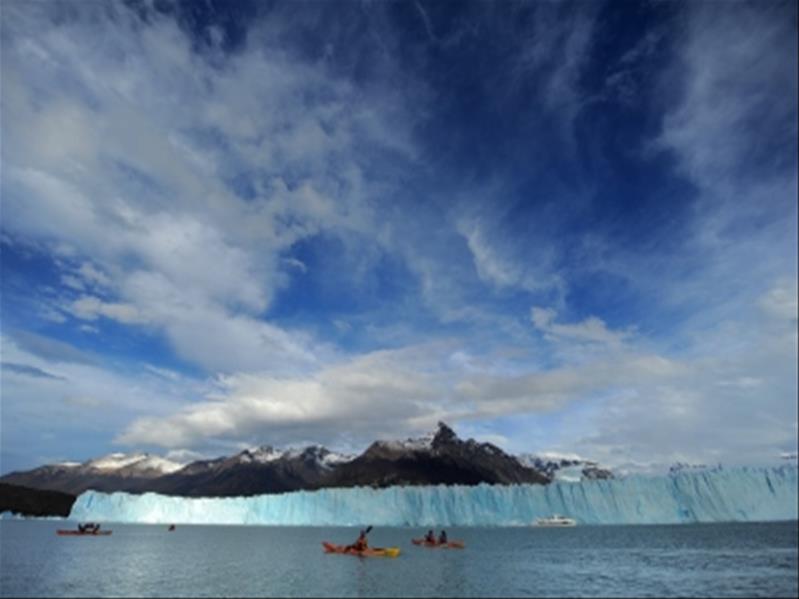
(361, 543)
(442, 538)
(430, 537)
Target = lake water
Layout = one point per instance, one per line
(741, 560)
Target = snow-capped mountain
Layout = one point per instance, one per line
(113, 472)
(440, 458)
(253, 471)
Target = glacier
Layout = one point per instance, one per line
(714, 495)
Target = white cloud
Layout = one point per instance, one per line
(729, 122)
(736, 89)
(490, 267)
(163, 372)
(184, 456)
(296, 264)
(90, 308)
(592, 329)
(501, 267)
(378, 393)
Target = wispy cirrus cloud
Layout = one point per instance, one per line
(25, 369)
(502, 267)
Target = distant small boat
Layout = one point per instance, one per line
(555, 520)
(90, 529)
(171, 527)
(85, 533)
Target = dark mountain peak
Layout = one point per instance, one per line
(312, 451)
(444, 436)
(262, 454)
(441, 458)
(310, 454)
(446, 439)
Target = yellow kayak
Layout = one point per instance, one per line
(369, 552)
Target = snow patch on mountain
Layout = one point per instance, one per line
(115, 461)
(137, 462)
(323, 457)
(157, 463)
(332, 459)
(420, 444)
(261, 455)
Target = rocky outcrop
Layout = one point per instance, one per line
(34, 502)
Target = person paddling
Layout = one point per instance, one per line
(430, 537)
(89, 527)
(361, 544)
(442, 538)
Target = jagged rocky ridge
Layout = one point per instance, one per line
(442, 458)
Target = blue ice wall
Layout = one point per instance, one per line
(735, 494)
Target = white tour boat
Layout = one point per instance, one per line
(555, 520)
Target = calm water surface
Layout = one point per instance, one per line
(741, 560)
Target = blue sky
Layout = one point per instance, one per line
(556, 226)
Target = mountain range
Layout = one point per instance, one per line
(440, 458)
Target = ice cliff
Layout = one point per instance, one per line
(717, 495)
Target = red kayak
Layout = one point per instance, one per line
(449, 545)
(369, 552)
(78, 533)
